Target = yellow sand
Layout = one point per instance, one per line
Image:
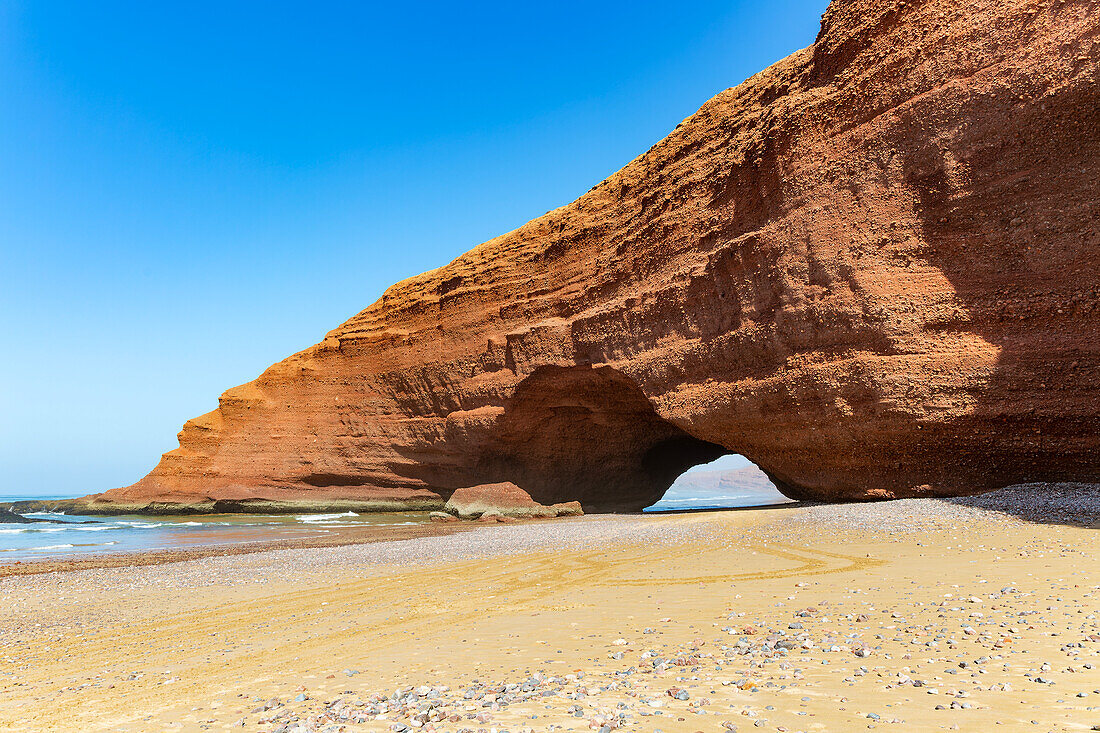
(108, 656)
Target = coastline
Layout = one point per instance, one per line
(344, 537)
(354, 536)
(86, 507)
(820, 617)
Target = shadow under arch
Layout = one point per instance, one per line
(589, 433)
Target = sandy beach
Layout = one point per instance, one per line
(909, 615)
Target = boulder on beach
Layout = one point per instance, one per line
(504, 499)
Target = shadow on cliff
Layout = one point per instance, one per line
(1010, 217)
(1007, 207)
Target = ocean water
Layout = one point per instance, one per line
(75, 535)
(70, 536)
(687, 500)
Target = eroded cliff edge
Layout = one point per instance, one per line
(873, 268)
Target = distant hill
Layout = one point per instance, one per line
(737, 487)
(724, 483)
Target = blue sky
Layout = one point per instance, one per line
(192, 191)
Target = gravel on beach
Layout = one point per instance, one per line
(1070, 503)
(965, 664)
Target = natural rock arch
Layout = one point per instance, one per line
(591, 434)
(874, 268)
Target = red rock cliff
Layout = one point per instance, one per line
(873, 268)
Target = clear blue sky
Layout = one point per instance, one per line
(192, 191)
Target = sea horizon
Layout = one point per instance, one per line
(6, 498)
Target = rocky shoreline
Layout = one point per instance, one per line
(1072, 502)
(88, 506)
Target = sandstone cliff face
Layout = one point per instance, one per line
(873, 268)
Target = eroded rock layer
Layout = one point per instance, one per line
(873, 268)
(507, 500)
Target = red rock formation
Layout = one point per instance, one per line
(873, 268)
(504, 499)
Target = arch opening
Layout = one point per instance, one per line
(727, 482)
(588, 434)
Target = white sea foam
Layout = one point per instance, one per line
(71, 536)
(311, 518)
(22, 529)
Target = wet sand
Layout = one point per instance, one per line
(914, 615)
(337, 537)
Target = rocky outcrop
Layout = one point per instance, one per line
(7, 516)
(505, 499)
(873, 268)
